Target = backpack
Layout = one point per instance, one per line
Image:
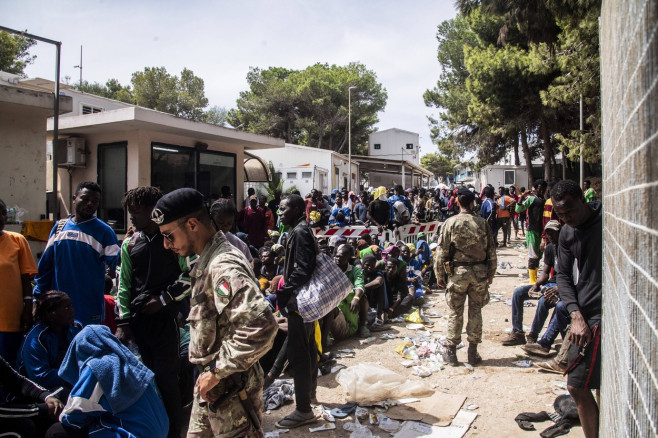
(491, 219)
(401, 213)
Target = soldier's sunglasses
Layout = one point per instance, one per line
(169, 236)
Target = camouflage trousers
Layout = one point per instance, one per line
(471, 282)
(231, 419)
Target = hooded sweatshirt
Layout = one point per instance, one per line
(579, 276)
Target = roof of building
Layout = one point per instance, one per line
(394, 129)
(139, 118)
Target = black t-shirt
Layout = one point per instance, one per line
(550, 259)
(380, 211)
(373, 293)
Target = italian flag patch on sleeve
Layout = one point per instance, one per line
(223, 289)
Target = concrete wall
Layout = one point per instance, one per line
(629, 74)
(392, 142)
(23, 163)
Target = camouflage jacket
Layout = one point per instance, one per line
(231, 324)
(466, 238)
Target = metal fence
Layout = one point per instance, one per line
(629, 93)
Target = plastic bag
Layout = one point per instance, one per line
(369, 383)
(416, 316)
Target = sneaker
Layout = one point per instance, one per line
(536, 349)
(364, 332)
(514, 338)
(552, 366)
(531, 338)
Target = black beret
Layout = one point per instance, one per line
(466, 194)
(177, 204)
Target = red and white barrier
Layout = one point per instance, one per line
(406, 233)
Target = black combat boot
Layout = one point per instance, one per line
(474, 357)
(450, 356)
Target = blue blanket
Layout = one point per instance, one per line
(120, 375)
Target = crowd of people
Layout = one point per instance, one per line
(196, 309)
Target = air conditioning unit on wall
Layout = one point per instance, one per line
(71, 152)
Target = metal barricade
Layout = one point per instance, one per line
(406, 233)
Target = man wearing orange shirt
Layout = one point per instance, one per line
(505, 204)
(17, 268)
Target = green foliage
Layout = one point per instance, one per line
(155, 88)
(516, 69)
(276, 183)
(310, 106)
(440, 165)
(215, 115)
(112, 89)
(14, 53)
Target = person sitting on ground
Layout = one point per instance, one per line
(340, 214)
(113, 393)
(522, 293)
(32, 408)
(223, 213)
(422, 251)
(400, 298)
(269, 273)
(349, 318)
(392, 252)
(46, 343)
(414, 273)
(558, 324)
(375, 286)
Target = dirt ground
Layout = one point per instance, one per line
(500, 389)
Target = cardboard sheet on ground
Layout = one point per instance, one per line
(438, 409)
(457, 429)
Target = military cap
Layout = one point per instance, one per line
(177, 204)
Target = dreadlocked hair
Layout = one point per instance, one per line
(141, 196)
(48, 302)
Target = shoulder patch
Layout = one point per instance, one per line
(223, 289)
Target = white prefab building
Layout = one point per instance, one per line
(309, 168)
(495, 174)
(395, 144)
(504, 175)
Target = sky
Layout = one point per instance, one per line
(220, 40)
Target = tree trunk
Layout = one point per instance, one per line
(548, 152)
(526, 156)
(515, 143)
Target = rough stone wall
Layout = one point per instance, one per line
(629, 77)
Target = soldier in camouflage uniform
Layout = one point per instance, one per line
(465, 252)
(231, 324)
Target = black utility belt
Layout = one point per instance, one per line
(457, 264)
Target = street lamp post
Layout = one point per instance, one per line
(349, 136)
